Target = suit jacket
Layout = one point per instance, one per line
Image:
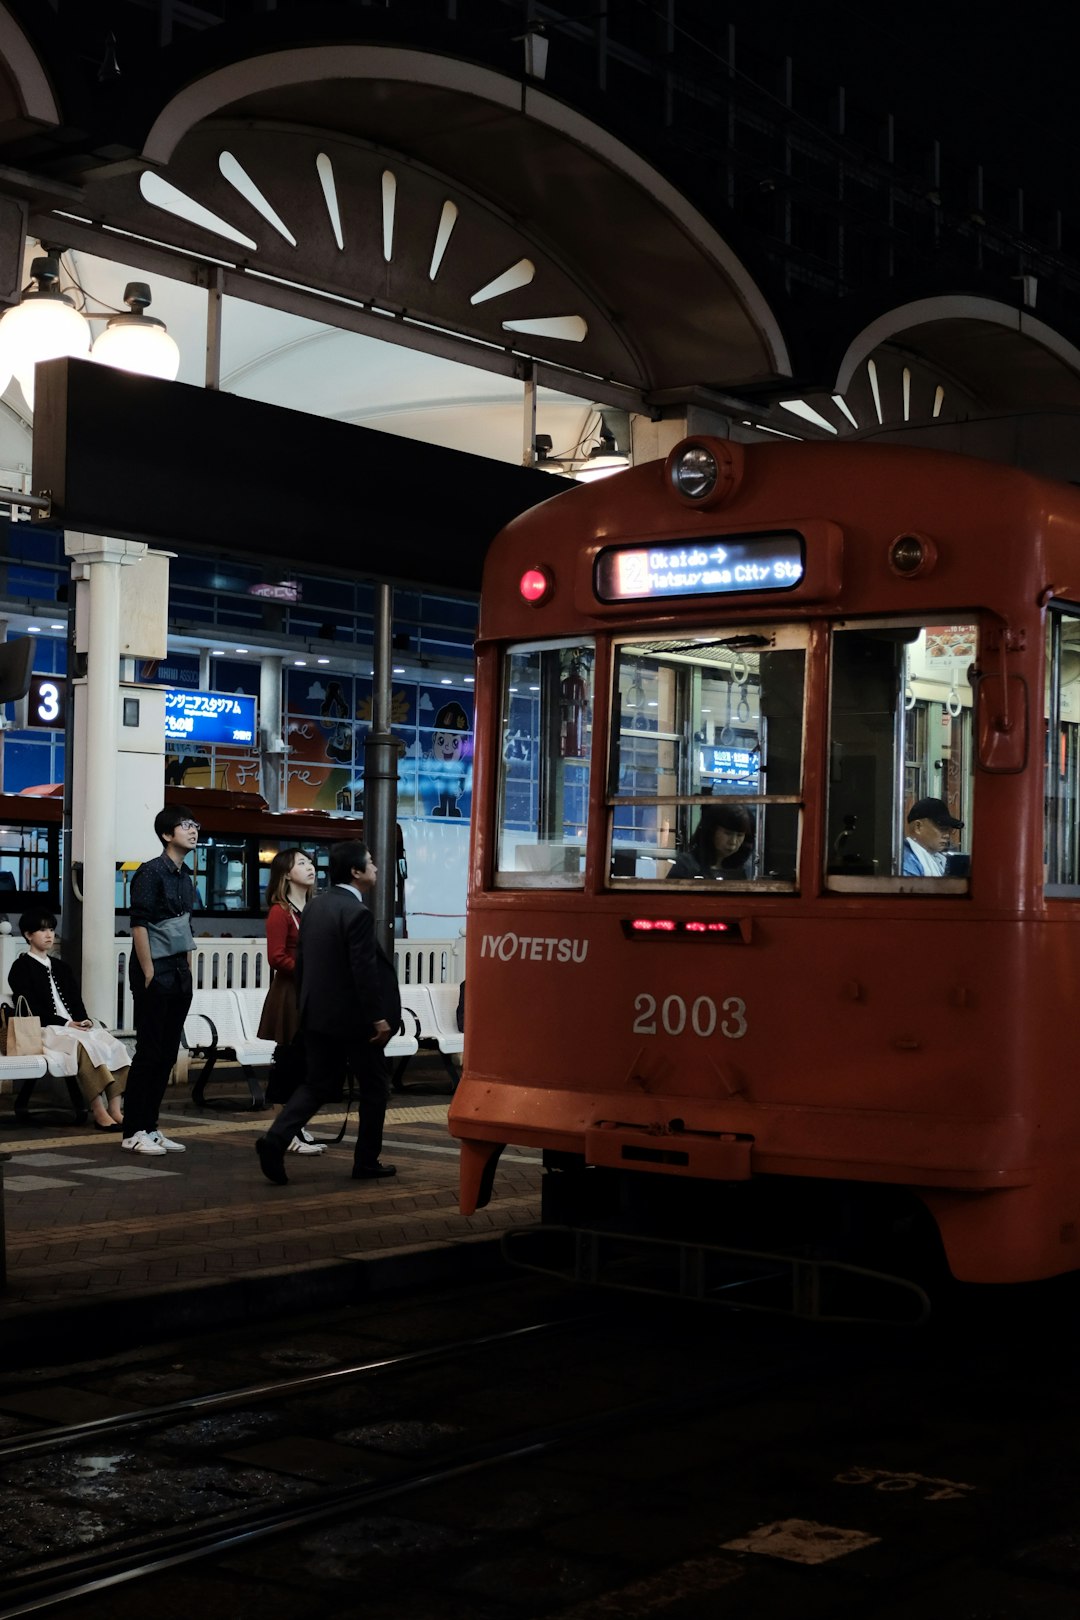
(345, 982)
(30, 978)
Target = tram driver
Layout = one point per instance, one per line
(930, 828)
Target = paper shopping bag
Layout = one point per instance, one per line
(23, 1032)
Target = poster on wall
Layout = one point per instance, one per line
(444, 754)
(218, 768)
(319, 736)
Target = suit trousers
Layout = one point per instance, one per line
(327, 1057)
(160, 1010)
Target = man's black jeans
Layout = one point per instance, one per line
(160, 1010)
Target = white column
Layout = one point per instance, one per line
(271, 745)
(98, 563)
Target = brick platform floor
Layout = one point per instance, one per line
(87, 1221)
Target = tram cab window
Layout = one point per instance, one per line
(900, 733)
(1062, 825)
(701, 721)
(546, 732)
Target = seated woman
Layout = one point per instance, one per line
(722, 845)
(51, 991)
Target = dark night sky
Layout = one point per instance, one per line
(1000, 84)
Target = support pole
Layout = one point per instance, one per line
(380, 776)
(528, 425)
(99, 830)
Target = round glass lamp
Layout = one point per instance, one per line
(43, 326)
(138, 342)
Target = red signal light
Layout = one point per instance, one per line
(535, 586)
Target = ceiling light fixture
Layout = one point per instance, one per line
(138, 342)
(44, 325)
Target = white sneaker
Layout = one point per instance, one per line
(142, 1142)
(306, 1136)
(166, 1143)
(298, 1145)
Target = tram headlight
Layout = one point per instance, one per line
(911, 555)
(704, 473)
(695, 473)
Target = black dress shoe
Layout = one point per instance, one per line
(271, 1161)
(373, 1172)
(113, 1127)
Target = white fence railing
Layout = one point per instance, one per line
(241, 964)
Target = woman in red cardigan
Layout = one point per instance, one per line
(292, 878)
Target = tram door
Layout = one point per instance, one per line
(900, 731)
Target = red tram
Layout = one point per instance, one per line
(823, 1041)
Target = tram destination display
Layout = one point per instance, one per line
(714, 565)
(209, 717)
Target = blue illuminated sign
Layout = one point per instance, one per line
(226, 718)
(713, 565)
(739, 766)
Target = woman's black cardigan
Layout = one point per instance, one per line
(30, 978)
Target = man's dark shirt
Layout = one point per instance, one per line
(159, 890)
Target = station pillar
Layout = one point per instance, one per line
(113, 775)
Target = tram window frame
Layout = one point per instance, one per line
(40, 862)
(677, 814)
(1057, 701)
(553, 779)
(911, 778)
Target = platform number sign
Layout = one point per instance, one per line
(47, 702)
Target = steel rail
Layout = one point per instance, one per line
(84, 1574)
(278, 1389)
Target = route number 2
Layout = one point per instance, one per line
(701, 1017)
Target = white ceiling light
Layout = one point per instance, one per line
(43, 326)
(138, 342)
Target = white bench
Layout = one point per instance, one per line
(433, 1010)
(228, 1021)
(215, 1023)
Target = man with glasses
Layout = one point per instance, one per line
(159, 969)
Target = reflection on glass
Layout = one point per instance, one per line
(1062, 826)
(547, 715)
(900, 762)
(706, 716)
(24, 861)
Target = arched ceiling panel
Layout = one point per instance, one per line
(652, 295)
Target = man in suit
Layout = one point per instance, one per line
(349, 1007)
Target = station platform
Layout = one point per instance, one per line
(113, 1248)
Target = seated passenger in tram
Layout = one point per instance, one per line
(930, 828)
(722, 845)
(71, 1042)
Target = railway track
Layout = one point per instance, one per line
(48, 1582)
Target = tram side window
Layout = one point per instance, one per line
(900, 741)
(1062, 833)
(547, 717)
(707, 735)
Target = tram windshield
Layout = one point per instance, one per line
(706, 757)
(900, 755)
(547, 716)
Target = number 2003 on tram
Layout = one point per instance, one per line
(775, 876)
